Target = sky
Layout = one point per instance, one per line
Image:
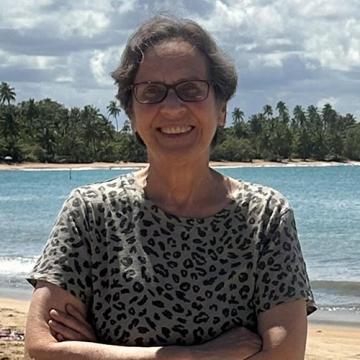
(302, 52)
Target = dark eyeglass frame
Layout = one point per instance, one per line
(168, 87)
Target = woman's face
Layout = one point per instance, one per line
(175, 127)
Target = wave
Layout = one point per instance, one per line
(17, 266)
(351, 307)
(85, 168)
(338, 287)
(280, 165)
(21, 198)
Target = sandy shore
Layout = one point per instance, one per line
(13, 317)
(325, 341)
(103, 165)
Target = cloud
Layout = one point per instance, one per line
(331, 100)
(102, 63)
(298, 51)
(87, 23)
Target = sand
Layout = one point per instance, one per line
(104, 165)
(13, 317)
(325, 341)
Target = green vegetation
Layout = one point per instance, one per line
(46, 131)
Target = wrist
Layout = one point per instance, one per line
(196, 352)
(175, 353)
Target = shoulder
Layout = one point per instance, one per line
(113, 195)
(116, 188)
(260, 197)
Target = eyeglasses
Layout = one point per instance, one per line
(149, 92)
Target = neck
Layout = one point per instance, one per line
(189, 188)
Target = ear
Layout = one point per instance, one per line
(132, 123)
(222, 114)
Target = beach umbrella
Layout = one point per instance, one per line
(8, 159)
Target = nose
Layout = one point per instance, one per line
(172, 105)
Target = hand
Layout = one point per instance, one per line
(238, 343)
(70, 325)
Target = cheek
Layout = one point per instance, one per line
(214, 115)
(142, 115)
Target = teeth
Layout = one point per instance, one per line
(176, 129)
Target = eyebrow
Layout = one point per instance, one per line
(172, 83)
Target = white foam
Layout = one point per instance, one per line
(277, 165)
(30, 198)
(16, 265)
(81, 169)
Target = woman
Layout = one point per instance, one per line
(175, 261)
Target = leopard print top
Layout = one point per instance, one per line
(151, 278)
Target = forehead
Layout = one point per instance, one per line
(172, 61)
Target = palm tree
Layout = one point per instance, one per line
(237, 116)
(329, 116)
(91, 120)
(99, 135)
(317, 133)
(114, 111)
(302, 130)
(126, 127)
(267, 111)
(333, 131)
(283, 112)
(299, 116)
(239, 125)
(7, 93)
(352, 144)
(8, 126)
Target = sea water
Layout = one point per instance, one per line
(326, 201)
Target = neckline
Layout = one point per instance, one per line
(150, 204)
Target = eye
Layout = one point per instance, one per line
(150, 92)
(191, 89)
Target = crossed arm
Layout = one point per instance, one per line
(282, 335)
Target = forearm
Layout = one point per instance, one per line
(276, 354)
(283, 330)
(271, 354)
(77, 350)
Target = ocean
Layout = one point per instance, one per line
(326, 201)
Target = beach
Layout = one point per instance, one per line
(12, 317)
(122, 165)
(326, 340)
(335, 268)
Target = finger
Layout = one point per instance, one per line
(65, 332)
(53, 333)
(59, 337)
(73, 311)
(73, 324)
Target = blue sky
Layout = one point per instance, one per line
(302, 52)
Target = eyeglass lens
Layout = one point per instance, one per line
(189, 91)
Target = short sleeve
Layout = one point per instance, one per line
(281, 274)
(66, 258)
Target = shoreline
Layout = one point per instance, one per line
(132, 165)
(320, 317)
(326, 341)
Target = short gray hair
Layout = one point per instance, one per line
(222, 72)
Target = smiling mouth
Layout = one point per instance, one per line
(176, 130)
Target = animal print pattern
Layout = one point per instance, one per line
(151, 278)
